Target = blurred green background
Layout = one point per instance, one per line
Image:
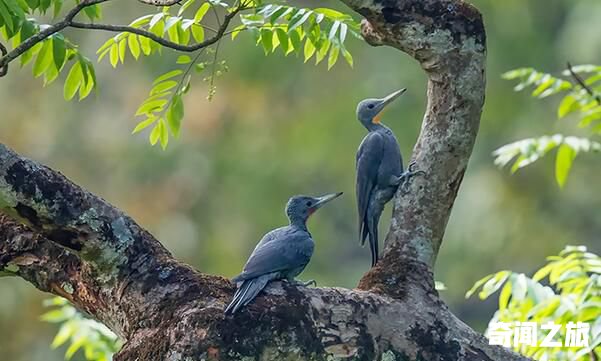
(279, 127)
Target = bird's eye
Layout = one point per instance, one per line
(370, 106)
(309, 204)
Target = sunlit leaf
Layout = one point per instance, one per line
(563, 163)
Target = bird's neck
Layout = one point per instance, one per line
(299, 222)
(374, 127)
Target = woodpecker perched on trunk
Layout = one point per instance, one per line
(379, 169)
(282, 253)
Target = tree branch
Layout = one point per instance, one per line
(448, 39)
(4, 68)
(166, 43)
(165, 310)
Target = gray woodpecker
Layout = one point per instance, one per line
(379, 169)
(281, 254)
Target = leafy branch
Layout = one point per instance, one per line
(319, 33)
(571, 293)
(45, 33)
(527, 151)
(582, 99)
(96, 341)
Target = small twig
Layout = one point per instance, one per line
(160, 2)
(179, 85)
(213, 70)
(581, 82)
(216, 15)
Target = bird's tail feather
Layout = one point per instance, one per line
(363, 231)
(372, 230)
(247, 292)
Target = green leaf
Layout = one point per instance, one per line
(322, 52)
(505, 295)
(300, 20)
(568, 104)
(185, 6)
(334, 51)
(198, 32)
(563, 163)
(144, 124)
(157, 25)
(493, 284)
(347, 56)
(58, 4)
(283, 38)
(200, 13)
(134, 45)
(164, 135)
(63, 335)
(6, 16)
(50, 75)
(167, 75)
(75, 345)
(333, 14)
(105, 48)
(122, 48)
(295, 40)
(175, 114)
(93, 12)
(59, 51)
(156, 133)
(309, 49)
(151, 106)
(162, 87)
(141, 21)
(43, 60)
(183, 59)
(333, 30)
(477, 285)
(266, 40)
(145, 45)
(73, 81)
(114, 55)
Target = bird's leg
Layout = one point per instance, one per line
(404, 179)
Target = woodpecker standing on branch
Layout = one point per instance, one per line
(379, 169)
(282, 253)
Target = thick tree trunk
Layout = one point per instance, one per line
(71, 243)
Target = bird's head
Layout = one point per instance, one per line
(299, 208)
(369, 111)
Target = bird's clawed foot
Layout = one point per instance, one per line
(309, 283)
(304, 284)
(405, 178)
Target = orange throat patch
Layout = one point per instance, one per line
(377, 118)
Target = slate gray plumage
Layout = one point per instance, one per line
(281, 254)
(379, 169)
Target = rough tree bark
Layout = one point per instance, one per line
(71, 243)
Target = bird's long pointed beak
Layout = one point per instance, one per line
(387, 100)
(325, 199)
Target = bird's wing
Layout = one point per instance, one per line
(369, 157)
(287, 252)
